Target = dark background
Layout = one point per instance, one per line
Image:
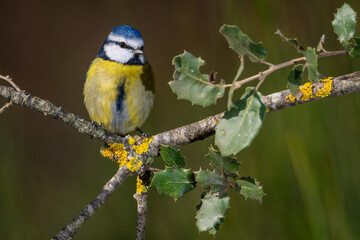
(306, 157)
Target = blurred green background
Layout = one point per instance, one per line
(307, 157)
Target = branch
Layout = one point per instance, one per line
(341, 85)
(142, 211)
(49, 109)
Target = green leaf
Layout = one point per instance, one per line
(292, 41)
(211, 179)
(311, 64)
(173, 182)
(239, 126)
(344, 23)
(355, 47)
(242, 44)
(212, 211)
(295, 77)
(172, 157)
(223, 165)
(190, 84)
(250, 188)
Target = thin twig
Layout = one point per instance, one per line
(273, 68)
(70, 230)
(152, 169)
(141, 216)
(9, 80)
(6, 106)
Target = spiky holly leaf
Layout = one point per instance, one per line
(173, 182)
(239, 126)
(223, 165)
(242, 44)
(292, 41)
(172, 156)
(344, 23)
(355, 47)
(250, 188)
(211, 180)
(311, 64)
(191, 85)
(211, 212)
(294, 78)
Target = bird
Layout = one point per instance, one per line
(119, 84)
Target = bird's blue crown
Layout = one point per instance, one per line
(126, 32)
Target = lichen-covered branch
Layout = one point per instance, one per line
(341, 85)
(49, 109)
(338, 86)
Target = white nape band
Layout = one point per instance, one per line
(132, 42)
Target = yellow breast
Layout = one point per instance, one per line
(105, 81)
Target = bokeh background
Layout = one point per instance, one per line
(307, 157)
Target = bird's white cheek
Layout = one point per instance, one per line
(118, 54)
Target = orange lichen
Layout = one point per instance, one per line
(140, 186)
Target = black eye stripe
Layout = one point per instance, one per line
(121, 44)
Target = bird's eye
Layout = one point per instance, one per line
(122, 45)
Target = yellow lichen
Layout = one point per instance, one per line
(116, 146)
(307, 92)
(216, 122)
(143, 147)
(290, 98)
(131, 140)
(116, 152)
(108, 153)
(133, 164)
(326, 89)
(140, 187)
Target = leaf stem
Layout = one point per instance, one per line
(238, 74)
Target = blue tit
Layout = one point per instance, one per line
(119, 85)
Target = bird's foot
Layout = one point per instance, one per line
(95, 124)
(143, 134)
